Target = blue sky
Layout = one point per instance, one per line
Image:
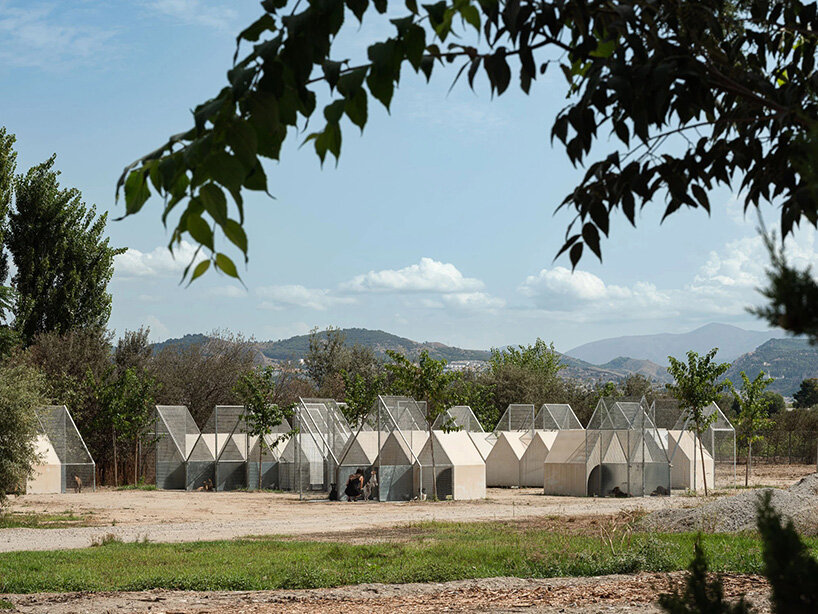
(437, 224)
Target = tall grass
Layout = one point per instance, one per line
(436, 553)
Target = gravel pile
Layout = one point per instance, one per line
(738, 513)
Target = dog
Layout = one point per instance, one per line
(333, 492)
(77, 483)
(206, 487)
(616, 492)
(660, 491)
(371, 485)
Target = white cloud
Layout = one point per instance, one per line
(32, 35)
(215, 15)
(284, 331)
(724, 286)
(159, 262)
(473, 301)
(427, 276)
(279, 297)
(159, 332)
(226, 292)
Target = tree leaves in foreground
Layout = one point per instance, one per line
(702, 595)
(667, 99)
(788, 566)
(21, 392)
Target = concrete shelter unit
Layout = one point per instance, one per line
(459, 471)
(531, 463)
(565, 469)
(503, 462)
(63, 454)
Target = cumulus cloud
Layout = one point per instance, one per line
(279, 297)
(33, 35)
(196, 12)
(427, 276)
(226, 292)
(159, 262)
(159, 332)
(724, 286)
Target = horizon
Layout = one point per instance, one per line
(437, 223)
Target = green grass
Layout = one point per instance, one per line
(137, 487)
(6, 605)
(436, 553)
(31, 520)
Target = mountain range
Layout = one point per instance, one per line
(732, 342)
(789, 361)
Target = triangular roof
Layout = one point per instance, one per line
(483, 444)
(56, 423)
(508, 443)
(568, 447)
(451, 449)
(460, 416)
(231, 451)
(540, 444)
(362, 449)
(394, 451)
(556, 416)
(517, 417)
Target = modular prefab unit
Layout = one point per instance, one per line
(503, 462)
(531, 463)
(173, 438)
(402, 417)
(716, 446)
(565, 471)
(64, 454)
(625, 452)
(458, 470)
(270, 447)
(310, 459)
(484, 442)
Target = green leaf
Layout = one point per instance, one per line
(136, 191)
(226, 170)
(436, 13)
(200, 269)
(471, 15)
(226, 265)
(332, 71)
(214, 202)
(356, 108)
(414, 40)
(257, 179)
(242, 140)
(253, 31)
(380, 6)
(235, 233)
(498, 71)
(200, 231)
(358, 8)
(352, 81)
(334, 111)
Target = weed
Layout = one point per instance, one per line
(5, 604)
(105, 540)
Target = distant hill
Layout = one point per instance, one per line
(297, 347)
(616, 369)
(789, 361)
(731, 341)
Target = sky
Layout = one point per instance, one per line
(437, 224)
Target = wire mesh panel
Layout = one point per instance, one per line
(230, 429)
(517, 417)
(626, 455)
(75, 460)
(269, 449)
(561, 415)
(461, 417)
(718, 446)
(175, 434)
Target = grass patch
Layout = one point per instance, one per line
(137, 487)
(5, 604)
(439, 552)
(31, 520)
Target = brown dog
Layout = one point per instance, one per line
(77, 483)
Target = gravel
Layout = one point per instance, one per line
(738, 513)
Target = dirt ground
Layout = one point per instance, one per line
(635, 594)
(174, 516)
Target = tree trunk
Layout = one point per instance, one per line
(747, 470)
(136, 461)
(704, 470)
(116, 470)
(749, 462)
(434, 467)
(260, 444)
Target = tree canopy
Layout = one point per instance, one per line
(667, 99)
